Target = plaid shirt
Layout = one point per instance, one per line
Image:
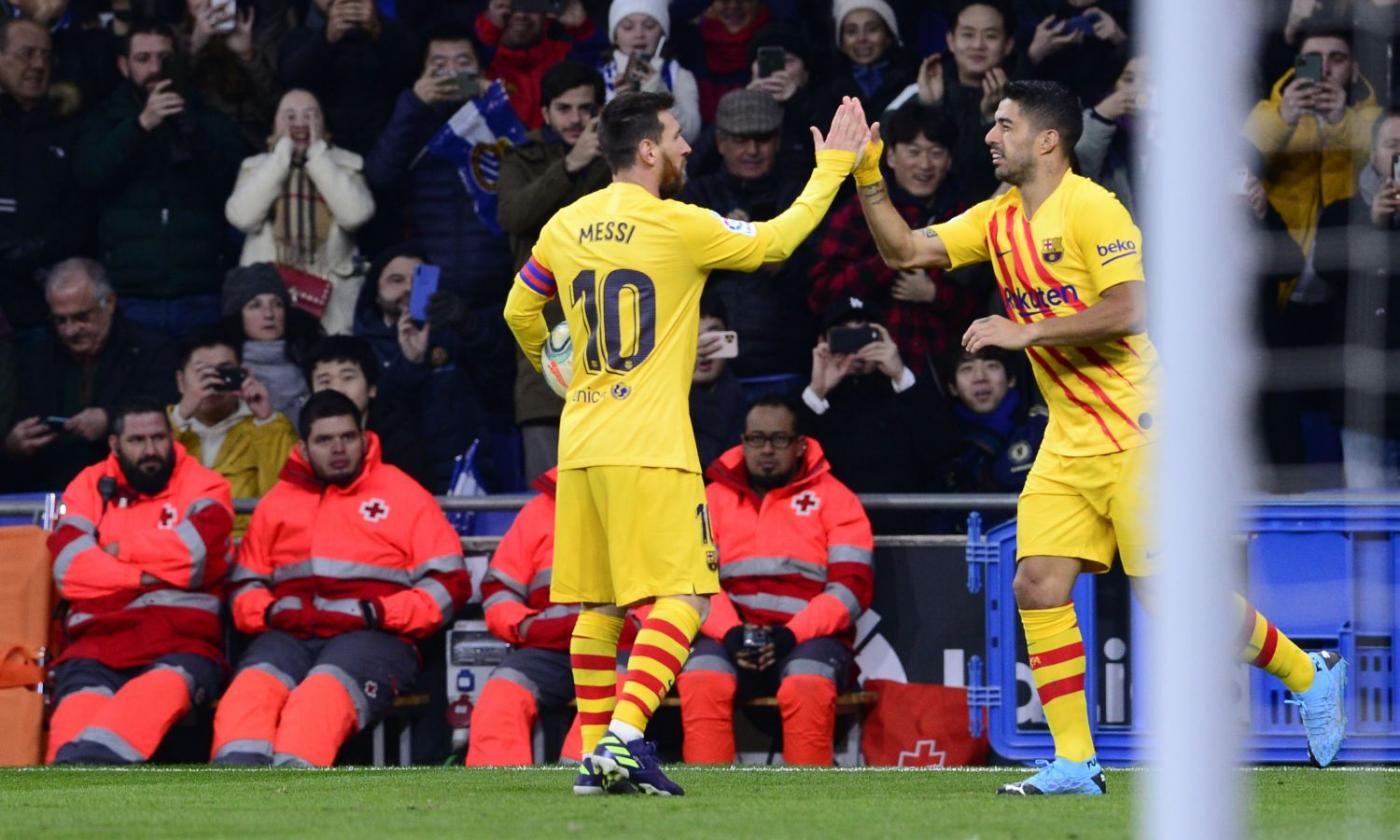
(849, 265)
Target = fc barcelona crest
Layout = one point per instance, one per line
(1052, 249)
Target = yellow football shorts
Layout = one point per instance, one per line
(1086, 507)
(625, 534)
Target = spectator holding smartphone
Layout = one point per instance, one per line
(637, 30)
(1079, 46)
(225, 419)
(528, 42)
(716, 398)
(300, 203)
(790, 84)
(1112, 133)
(230, 65)
(74, 374)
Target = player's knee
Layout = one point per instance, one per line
(1035, 589)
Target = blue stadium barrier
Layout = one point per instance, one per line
(1328, 574)
(23, 519)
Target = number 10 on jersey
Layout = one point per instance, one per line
(620, 313)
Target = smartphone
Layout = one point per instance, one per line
(172, 67)
(425, 283)
(56, 423)
(729, 345)
(756, 639)
(468, 83)
(1308, 66)
(635, 63)
(231, 378)
(1080, 23)
(771, 60)
(539, 7)
(1241, 181)
(1395, 168)
(227, 6)
(846, 340)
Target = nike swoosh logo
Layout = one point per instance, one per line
(1003, 253)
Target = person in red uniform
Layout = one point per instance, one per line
(537, 673)
(139, 555)
(795, 566)
(346, 563)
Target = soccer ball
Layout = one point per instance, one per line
(557, 359)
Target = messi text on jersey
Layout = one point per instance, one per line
(610, 231)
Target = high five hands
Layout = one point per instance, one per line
(849, 131)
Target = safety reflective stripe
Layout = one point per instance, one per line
(809, 667)
(850, 554)
(328, 567)
(70, 553)
(101, 690)
(772, 567)
(843, 593)
(352, 688)
(74, 619)
(519, 678)
(711, 662)
(176, 598)
(238, 574)
(541, 580)
(558, 611)
(184, 675)
(245, 746)
(344, 606)
(112, 741)
(276, 673)
(82, 523)
(189, 535)
(500, 598)
(447, 563)
(237, 591)
(292, 760)
(440, 595)
(286, 602)
(505, 580)
(771, 603)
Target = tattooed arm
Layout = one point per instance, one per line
(901, 247)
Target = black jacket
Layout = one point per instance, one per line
(43, 219)
(134, 361)
(717, 416)
(768, 307)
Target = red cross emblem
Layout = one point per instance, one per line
(806, 502)
(374, 510)
(168, 515)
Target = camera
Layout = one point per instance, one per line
(231, 378)
(756, 639)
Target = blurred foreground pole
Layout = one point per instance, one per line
(1197, 246)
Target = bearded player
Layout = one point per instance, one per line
(1067, 258)
(629, 263)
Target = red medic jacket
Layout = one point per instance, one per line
(800, 556)
(179, 537)
(313, 551)
(516, 586)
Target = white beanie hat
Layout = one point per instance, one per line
(841, 8)
(622, 8)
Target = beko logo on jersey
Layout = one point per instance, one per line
(1038, 299)
(1117, 249)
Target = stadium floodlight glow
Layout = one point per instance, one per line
(1196, 248)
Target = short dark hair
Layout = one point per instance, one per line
(7, 22)
(132, 406)
(148, 26)
(948, 369)
(324, 404)
(914, 118)
(1008, 20)
(343, 348)
(216, 336)
(1326, 26)
(567, 75)
(628, 120)
(712, 306)
(450, 30)
(776, 401)
(1050, 106)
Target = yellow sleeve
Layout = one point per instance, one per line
(718, 242)
(1109, 241)
(534, 286)
(965, 235)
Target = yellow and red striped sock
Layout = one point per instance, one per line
(1056, 651)
(593, 659)
(663, 645)
(1264, 646)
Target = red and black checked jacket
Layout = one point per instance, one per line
(849, 265)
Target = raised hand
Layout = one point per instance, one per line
(848, 131)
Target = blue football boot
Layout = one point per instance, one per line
(1059, 778)
(1323, 712)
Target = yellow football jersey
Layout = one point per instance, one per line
(629, 269)
(1081, 242)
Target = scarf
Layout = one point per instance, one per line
(286, 384)
(300, 220)
(989, 431)
(869, 77)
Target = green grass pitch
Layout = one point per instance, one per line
(721, 804)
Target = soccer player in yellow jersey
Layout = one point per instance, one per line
(629, 264)
(1068, 264)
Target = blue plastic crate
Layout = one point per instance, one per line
(1328, 575)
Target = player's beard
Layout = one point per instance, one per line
(672, 179)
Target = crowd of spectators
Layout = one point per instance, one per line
(223, 207)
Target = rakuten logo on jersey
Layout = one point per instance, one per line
(1116, 249)
(1037, 300)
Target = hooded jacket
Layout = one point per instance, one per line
(516, 586)
(142, 574)
(799, 556)
(315, 551)
(1312, 164)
